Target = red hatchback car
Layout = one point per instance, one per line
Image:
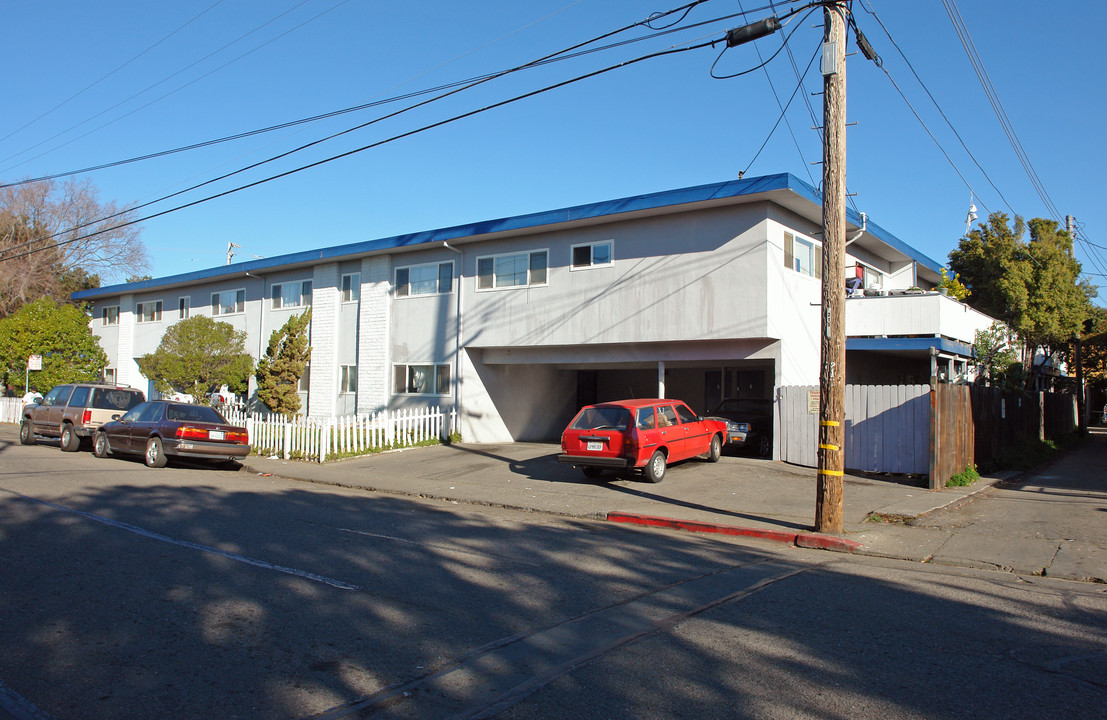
(646, 434)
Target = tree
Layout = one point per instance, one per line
(54, 240)
(996, 360)
(279, 372)
(199, 355)
(1033, 288)
(61, 334)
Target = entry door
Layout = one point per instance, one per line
(587, 384)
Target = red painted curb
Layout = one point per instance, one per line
(804, 540)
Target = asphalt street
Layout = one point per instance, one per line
(192, 592)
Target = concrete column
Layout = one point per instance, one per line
(661, 378)
(325, 299)
(374, 342)
(126, 369)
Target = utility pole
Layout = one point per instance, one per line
(832, 345)
(1081, 405)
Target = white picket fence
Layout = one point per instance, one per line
(320, 438)
(11, 410)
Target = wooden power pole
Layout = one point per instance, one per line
(832, 345)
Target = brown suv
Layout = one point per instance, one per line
(72, 412)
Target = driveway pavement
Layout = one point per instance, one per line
(883, 515)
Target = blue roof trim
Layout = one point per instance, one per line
(637, 203)
(944, 345)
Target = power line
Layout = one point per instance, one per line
(563, 55)
(355, 151)
(166, 79)
(997, 106)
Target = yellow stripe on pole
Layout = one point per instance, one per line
(829, 423)
(829, 447)
(835, 473)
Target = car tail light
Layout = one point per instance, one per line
(86, 417)
(630, 445)
(238, 436)
(192, 433)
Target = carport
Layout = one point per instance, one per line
(534, 392)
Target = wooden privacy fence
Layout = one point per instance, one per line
(887, 427)
(952, 433)
(912, 429)
(1007, 419)
(321, 438)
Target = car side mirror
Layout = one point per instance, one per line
(36, 401)
(116, 416)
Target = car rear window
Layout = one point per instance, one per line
(79, 398)
(602, 418)
(193, 413)
(113, 399)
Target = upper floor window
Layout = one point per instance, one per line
(148, 311)
(430, 279)
(348, 380)
(351, 287)
(182, 307)
(593, 255)
(291, 294)
(516, 270)
(110, 315)
(803, 255)
(228, 302)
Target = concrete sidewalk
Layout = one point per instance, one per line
(737, 496)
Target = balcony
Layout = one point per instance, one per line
(929, 314)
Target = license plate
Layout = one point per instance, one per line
(216, 435)
(597, 446)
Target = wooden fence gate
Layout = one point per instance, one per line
(887, 427)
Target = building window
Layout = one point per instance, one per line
(348, 381)
(148, 312)
(351, 287)
(182, 307)
(228, 302)
(110, 315)
(803, 255)
(421, 379)
(430, 279)
(291, 295)
(517, 270)
(109, 375)
(593, 255)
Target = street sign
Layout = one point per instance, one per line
(34, 362)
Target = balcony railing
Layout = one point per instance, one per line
(929, 314)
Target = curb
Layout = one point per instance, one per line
(814, 541)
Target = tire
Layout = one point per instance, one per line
(764, 446)
(26, 433)
(592, 473)
(70, 441)
(655, 469)
(100, 447)
(716, 450)
(155, 454)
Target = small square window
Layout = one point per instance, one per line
(592, 255)
(351, 287)
(110, 315)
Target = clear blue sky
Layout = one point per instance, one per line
(92, 83)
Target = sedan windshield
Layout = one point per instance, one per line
(602, 418)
